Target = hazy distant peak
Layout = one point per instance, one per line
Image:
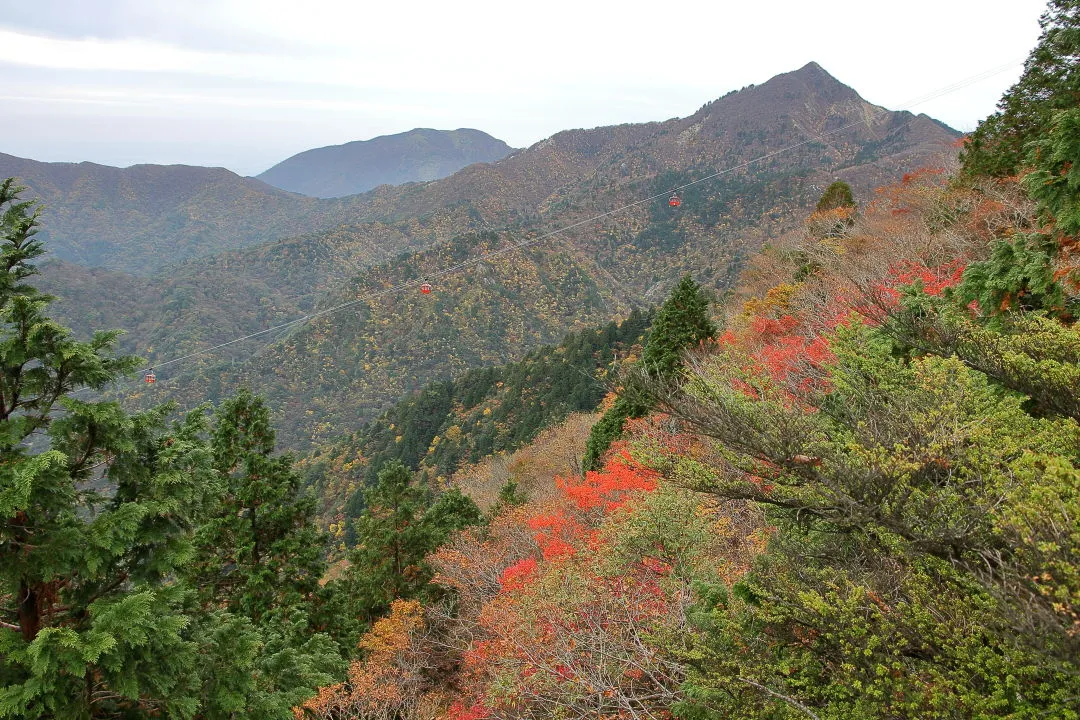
(357, 166)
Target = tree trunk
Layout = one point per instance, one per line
(29, 611)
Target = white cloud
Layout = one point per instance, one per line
(351, 70)
(92, 54)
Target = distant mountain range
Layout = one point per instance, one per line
(326, 377)
(142, 218)
(417, 155)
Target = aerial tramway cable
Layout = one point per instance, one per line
(425, 285)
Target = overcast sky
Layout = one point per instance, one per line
(246, 83)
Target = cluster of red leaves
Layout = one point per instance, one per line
(610, 488)
(934, 280)
(460, 711)
(782, 350)
(563, 629)
(585, 649)
(795, 357)
(558, 534)
(795, 354)
(518, 575)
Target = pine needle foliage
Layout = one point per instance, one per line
(1050, 83)
(97, 507)
(681, 322)
(104, 515)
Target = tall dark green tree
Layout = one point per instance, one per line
(1054, 183)
(257, 571)
(94, 528)
(98, 511)
(1050, 83)
(390, 541)
(681, 322)
(396, 531)
(1018, 275)
(261, 552)
(1025, 270)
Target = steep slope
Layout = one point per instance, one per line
(355, 167)
(329, 377)
(487, 410)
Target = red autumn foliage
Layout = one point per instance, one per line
(768, 329)
(518, 575)
(934, 280)
(921, 174)
(459, 711)
(795, 357)
(609, 488)
(557, 535)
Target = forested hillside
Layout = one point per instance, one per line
(857, 499)
(488, 410)
(342, 369)
(327, 378)
(142, 218)
(145, 218)
(206, 301)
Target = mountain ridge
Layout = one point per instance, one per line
(809, 128)
(142, 217)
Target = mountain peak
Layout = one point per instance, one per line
(812, 77)
(812, 68)
(790, 91)
(358, 166)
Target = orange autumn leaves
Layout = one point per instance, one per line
(574, 625)
(568, 604)
(389, 682)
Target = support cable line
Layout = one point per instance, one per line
(424, 283)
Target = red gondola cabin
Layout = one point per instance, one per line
(151, 378)
(674, 200)
(426, 288)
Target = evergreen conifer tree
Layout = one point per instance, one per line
(261, 552)
(98, 510)
(510, 496)
(396, 531)
(682, 321)
(391, 541)
(837, 195)
(1055, 181)
(93, 527)
(1050, 83)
